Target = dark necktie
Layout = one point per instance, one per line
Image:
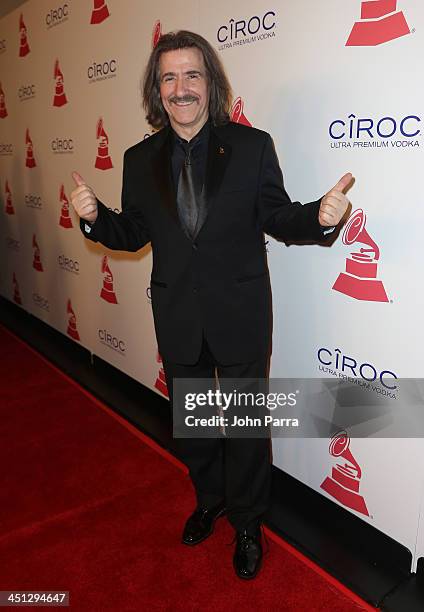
(188, 193)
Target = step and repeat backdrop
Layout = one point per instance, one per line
(337, 84)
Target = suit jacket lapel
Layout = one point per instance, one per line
(161, 166)
(219, 154)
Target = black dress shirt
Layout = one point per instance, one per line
(199, 153)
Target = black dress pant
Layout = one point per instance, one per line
(234, 470)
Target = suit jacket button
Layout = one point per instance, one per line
(194, 245)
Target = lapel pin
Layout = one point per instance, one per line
(221, 151)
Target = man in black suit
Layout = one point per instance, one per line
(202, 191)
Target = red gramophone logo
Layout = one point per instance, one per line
(107, 292)
(65, 219)
(59, 94)
(30, 159)
(16, 292)
(360, 278)
(380, 22)
(237, 114)
(157, 33)
(103, 160)
(72, 330)
(3, 109)
(343, 484)
(36, 262)
(24, 46)
(8, 197)
(160, 383)
(100, 12)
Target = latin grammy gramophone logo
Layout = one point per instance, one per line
(107, 293)
(103, 160)
(9, 210)
(3, 109)
(23, 46)
(380, 22)
(100, 12)
(237, 114)
(59, 94)
(360, 278)
(343, 484)
(30, 159)
(157, 33)
(36, 262)
(65, 218)
(16, 293)
(160, 383)
(72, 330)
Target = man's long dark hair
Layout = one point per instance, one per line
(220, 90)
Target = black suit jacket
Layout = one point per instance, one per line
(218, 283)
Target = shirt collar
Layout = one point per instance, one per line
(201, 136)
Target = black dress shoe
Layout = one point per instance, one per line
(201, 523)
(247, 558)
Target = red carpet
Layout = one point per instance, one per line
(88, 506)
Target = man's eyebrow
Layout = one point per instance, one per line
(165, 74)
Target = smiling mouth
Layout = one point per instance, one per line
(183, 103)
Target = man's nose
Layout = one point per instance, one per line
(180, 86)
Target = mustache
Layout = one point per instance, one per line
(186, 98)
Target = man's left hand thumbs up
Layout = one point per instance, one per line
(334, 204)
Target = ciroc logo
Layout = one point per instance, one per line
(246, 31)
(13, 244)
(336, 363)
(62, 145)
(99, 71)
(111, 341)
(26, 92)
(6, 148)
(41, 302)
(68, 265)
(355, 132)
(33, 201)
(57, 16)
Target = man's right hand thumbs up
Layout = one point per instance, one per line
(84, 199)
